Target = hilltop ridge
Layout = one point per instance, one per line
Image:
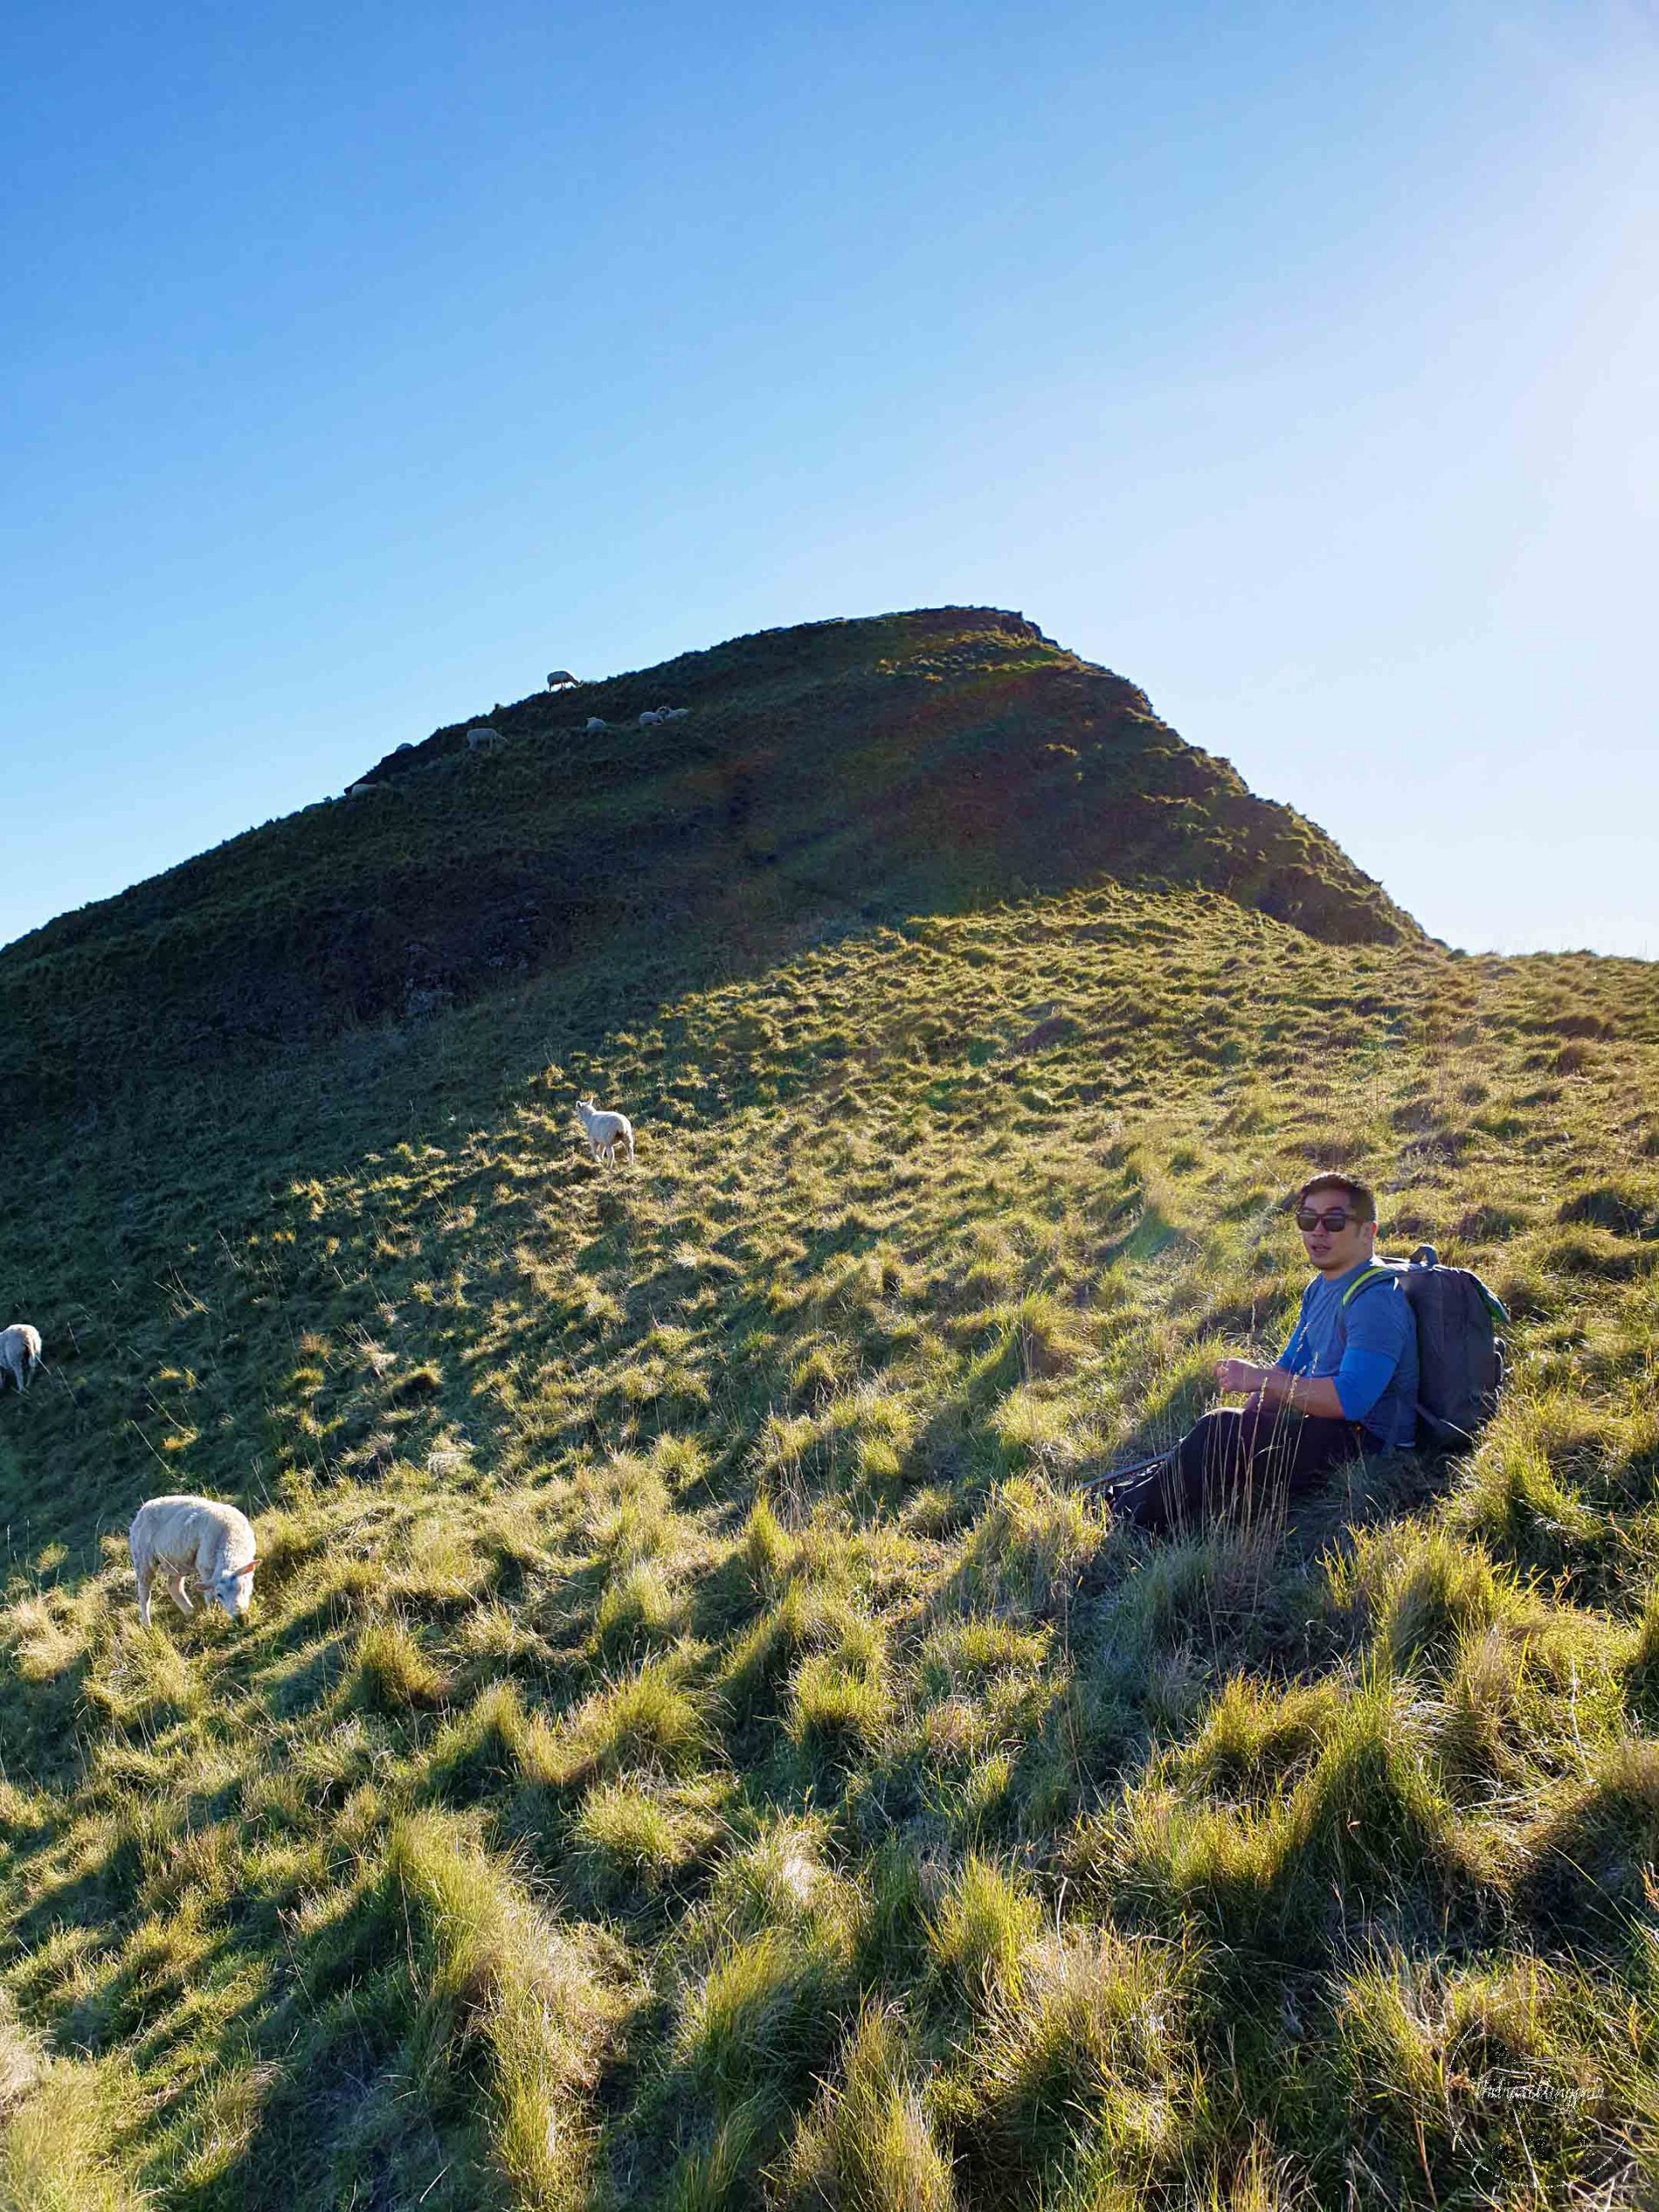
(827, 774)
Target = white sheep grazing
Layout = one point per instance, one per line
(482, 738)
(649, 719)
(596, 723)
(364, 791)
(20, 1352)
(604, 1132)
(194, 1539)
(558, 677)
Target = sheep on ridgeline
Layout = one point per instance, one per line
(603, 1131)
(482, 738)
(559, 678)
(20, 1352)
(193, 1540)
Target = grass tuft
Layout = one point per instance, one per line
(55, 2151)
(985, 1922)
(488, 1967)
(1026, 1550)
(1589, 1857)
(390, 1671)
(1085, 2047)
(762, 2017)
(869, 2145)
(646, 1719)
(628, 1842)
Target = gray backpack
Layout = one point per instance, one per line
(1459, 1353)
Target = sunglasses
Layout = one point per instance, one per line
(1307, 1221)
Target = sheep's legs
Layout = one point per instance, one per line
(180, 1595)
(144, 1574)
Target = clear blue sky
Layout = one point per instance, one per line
(361, 364)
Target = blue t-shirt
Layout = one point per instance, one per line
(1376, 1370)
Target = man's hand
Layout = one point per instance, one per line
(1240, 1374)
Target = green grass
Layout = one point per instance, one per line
(54, 2154)
(869, 2145)
(985, 1920)
(694, 1743)
(501, 1992)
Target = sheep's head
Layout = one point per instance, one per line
(233, 1591)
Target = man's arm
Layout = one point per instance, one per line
(1375, 1338)
(1303, 1394)
(1318, 1394)
(1378, 1321)
(1273, 1383)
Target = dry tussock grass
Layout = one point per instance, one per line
(693, 1746)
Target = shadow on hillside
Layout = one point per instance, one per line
(1364, 1494)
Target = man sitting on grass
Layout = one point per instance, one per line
(1346, 1382)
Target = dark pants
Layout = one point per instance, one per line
(1241, 1465)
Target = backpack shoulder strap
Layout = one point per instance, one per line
(1365, 1281)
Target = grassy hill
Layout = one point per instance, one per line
(823, 776)
(695, 1745)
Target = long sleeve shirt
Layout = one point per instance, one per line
(1368, 1349)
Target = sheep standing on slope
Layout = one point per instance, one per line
(603, 1131)
(20, 1352)
(194, 1539)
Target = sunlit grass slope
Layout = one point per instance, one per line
(837, 772)
(695, 1746)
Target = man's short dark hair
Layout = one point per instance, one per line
(1362, 1200)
